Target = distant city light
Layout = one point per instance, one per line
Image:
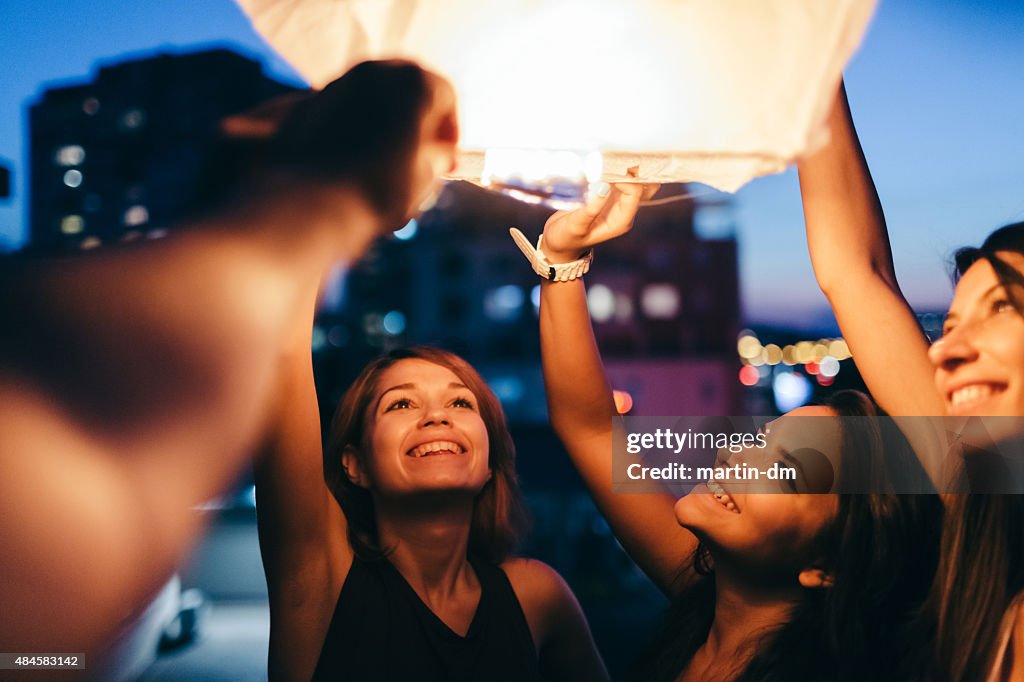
(601, 303)
(509, 389)
(623, 401)
(394, 323)
(136, 215)
(503, 303)
(90, 106)
(791, 390)
(73, 178)
(90, 243)
(72, 224)
(804, 352)
(660, 301)
(839, 350)
(623, 307)
(748, 347)
(70, 155)
(408, 231)
(133, 118)
(829, 366)
(535, 298)
(749, 376)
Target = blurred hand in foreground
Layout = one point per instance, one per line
(388, 128)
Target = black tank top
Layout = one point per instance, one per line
(382, 631)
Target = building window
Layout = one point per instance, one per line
(72, 224)
(70, 155)
(73, 178)
(136, 215)
(660, 301)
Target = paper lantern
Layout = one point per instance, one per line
(713, 91)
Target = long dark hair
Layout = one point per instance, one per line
(982, 564)
(499, 516)
(1006, 238)
(882, 550)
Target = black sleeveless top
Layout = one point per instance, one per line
(382, 631)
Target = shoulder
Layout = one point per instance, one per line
(565, 647)
(535, 582)
(545, 597)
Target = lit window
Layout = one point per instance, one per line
(660, 301)
(623, 307)
(136, 215)
(509, 389)
(623, 401)
(503, 303)
(394, 323)
(73, 178)
(600, 302)
(72, 224)
(70, 155)
(133, 118)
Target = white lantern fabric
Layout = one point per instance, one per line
(713, 91)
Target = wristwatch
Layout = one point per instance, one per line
(556, 272)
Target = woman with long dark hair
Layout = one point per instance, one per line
(764, 586)
(975, 369)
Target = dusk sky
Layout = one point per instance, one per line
(937, 90)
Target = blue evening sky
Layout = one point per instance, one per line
(937, 90)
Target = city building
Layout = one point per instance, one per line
(117, 158)
(664, 300)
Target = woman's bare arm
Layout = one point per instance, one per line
(580, 400)
(302, 530)
(849, 246)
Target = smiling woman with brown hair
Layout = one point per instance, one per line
(406, 571)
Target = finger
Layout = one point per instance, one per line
(650, 189)
(580, 220)
(616, 218)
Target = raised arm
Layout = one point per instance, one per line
(849, 247)
(580, 400)
(302, 531)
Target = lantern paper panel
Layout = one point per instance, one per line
(712, 91)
